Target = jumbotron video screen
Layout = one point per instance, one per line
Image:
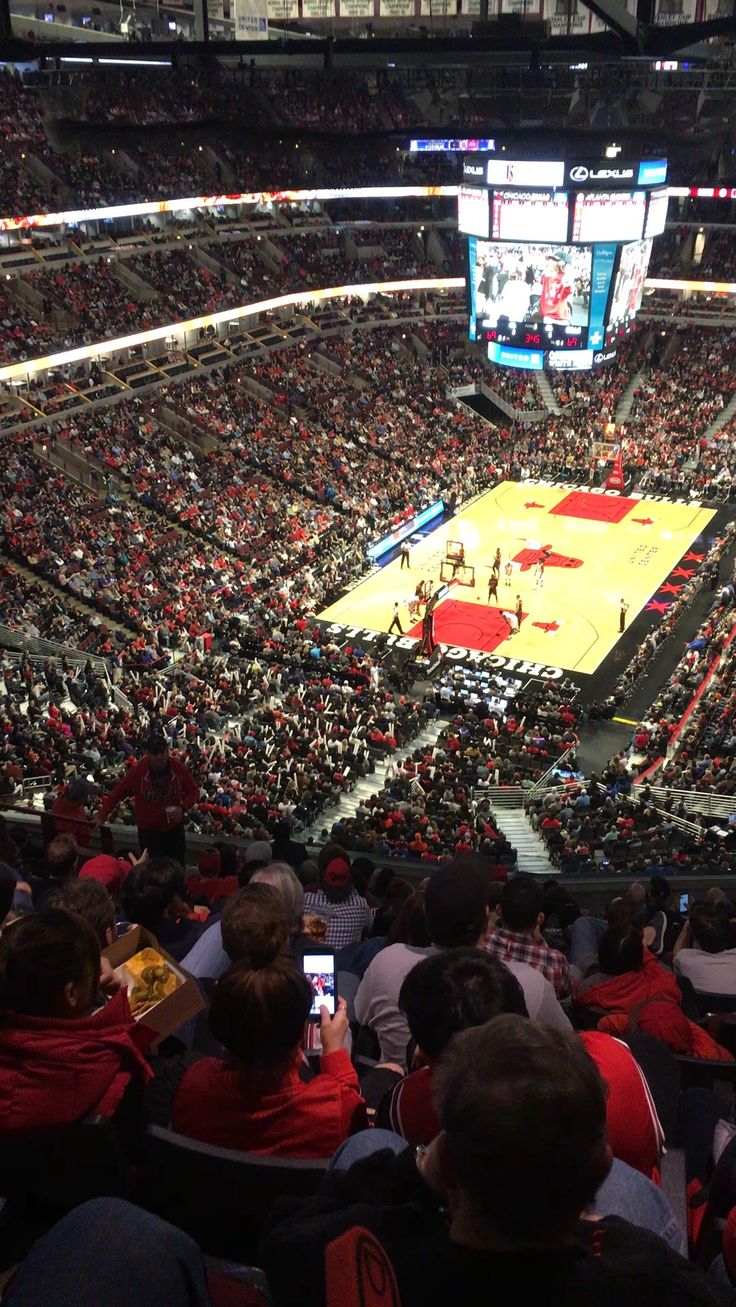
(558, 254)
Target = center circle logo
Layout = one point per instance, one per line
(579, 174)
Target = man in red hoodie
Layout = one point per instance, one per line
(162, 790)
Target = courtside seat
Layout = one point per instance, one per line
(221, 1197)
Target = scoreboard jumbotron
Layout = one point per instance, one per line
(557, 254)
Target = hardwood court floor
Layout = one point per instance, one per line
(604, 548)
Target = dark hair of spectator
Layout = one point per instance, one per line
(150, 889)
(410, 925)
(62, 857)
(254, 925)
(454, 990)
(710, 927)
(621, 949)
(259, 1013)
(456, 900)
(90, 900)
(523, 1110)
(7, 889)
(40, 954)
(521, 903)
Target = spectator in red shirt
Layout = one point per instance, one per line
(59, 1060)
(255, 1100)
(162, 790)
(68, 812)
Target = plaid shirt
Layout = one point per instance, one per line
(347, 919)
(520, 946)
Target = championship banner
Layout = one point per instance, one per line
(668, 13)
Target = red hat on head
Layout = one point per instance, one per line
(336, 878)
(109, 871)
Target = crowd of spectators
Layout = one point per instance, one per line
(606, 827)
(197, 576)
(429, 806)
(706, 574)
(671, 411)
(718, 261)
(201, 276)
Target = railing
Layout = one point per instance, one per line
(703, 801)
(542, 785)
(691, 827)
(459, 393)
(501, 796)
(38, 650)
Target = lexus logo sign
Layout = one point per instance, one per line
(582, 174)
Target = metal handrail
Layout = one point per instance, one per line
(38, 647)
(541, 784)
(38, 650)
(713, 805)
(501, 796)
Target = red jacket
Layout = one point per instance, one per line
(63, 808)
(55, 1072)
(622, 993)
(634, 1132)
(150, 810)
(224, 1103)
(210, 888)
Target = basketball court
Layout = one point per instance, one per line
(597, 549)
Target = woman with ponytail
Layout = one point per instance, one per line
(256, 1099)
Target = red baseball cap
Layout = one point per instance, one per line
(109, 871)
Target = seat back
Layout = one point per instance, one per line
(358, 1272)
(45, 1173)
(221, 1197)
(710, 1004)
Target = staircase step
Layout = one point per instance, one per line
(720, 421)
(532, 856)
(368, 785)
(623, 408)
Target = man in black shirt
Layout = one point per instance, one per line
(492, 1211)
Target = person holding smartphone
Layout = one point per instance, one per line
(256, 1099)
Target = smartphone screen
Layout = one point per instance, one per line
(319, 969)
(684, 903)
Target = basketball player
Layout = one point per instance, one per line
(459, 559)
(519, 609)
(539, 576)
(507, 571)
(497, 562)
(396, 621)
(404, 555)
(493, 587)
(622, 611)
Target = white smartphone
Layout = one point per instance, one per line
(318, 965)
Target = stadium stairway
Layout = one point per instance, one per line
(623, 408)
(720, 420)
(369, 785)
(532, 857)
(547, 393)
